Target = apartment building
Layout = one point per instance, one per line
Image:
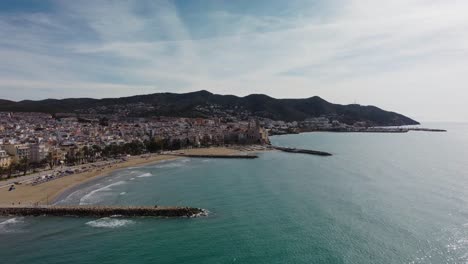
(5, 159)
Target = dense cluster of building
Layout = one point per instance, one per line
(309, 124)
(43, 138)
(324, 123)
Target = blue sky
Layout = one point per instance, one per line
(409, 56)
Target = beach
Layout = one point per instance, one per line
(26, 194)
(47, 192)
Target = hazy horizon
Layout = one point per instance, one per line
(404, 56)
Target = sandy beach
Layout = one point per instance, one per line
(26, 194)
(45, 193)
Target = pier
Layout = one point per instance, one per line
(302, 151)
(102, 211)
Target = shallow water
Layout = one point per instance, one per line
(382, 198)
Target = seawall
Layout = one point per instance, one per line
(101, 211)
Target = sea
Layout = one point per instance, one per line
(381, 198)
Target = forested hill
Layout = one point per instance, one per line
(206, 104)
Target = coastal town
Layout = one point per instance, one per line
(43, 155)
(33, 141)
(217, 131)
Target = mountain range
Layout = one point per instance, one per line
(206, 104)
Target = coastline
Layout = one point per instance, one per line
(65, 192)
(53, 191)
(48, 192)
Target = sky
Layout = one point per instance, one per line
(408, 56)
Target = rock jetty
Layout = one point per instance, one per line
(102, 211)
(303, 151)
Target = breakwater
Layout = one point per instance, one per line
(427, 129)
(302, 151)
(217, 156)
(102, 211)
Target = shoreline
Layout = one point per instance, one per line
(48, 192)
(62, 194)
(53, 191)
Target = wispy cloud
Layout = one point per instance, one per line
(404, 55)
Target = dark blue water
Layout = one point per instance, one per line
(382, 198)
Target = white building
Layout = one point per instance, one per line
(18, 151)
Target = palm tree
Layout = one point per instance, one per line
(50, 160)
(78, 157)
(2, 171)
(69, 159)
(11, 168)
(87, 153)
(96, 151)
(24, 165)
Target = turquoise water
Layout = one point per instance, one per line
(382, 198)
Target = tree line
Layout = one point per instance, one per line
(93, 153)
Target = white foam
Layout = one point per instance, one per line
(8, 226)
(89, 199)
(171, 164)
(108, 222)
(203, 212)
(123, 193)
(70, 198)
(12, 221)
(144, 175)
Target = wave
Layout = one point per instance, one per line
(108, 222)
(144, 175)
(203, 212)
(12, 221)
(70, 198)
(171, 164)
(8, 226)
(123, 193)
(89, 199)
